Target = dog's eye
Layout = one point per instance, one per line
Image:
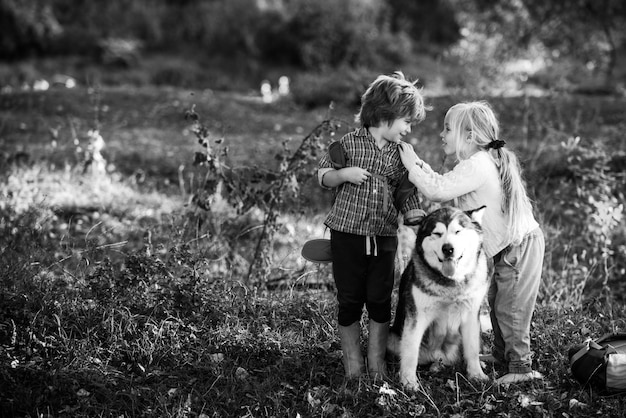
(437, 234)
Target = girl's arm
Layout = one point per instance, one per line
(464, 178)
(410, 158)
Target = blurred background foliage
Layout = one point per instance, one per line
(451, 45)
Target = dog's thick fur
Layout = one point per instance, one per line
(441, 291)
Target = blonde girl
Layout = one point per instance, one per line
(487, 173)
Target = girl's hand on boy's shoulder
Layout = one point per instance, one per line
(405, 147)
(355, 175)
(408, 156)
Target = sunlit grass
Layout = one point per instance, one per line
(114, 302)
(68, 190)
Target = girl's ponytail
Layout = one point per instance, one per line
(516, 203)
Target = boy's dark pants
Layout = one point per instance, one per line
(363, 279)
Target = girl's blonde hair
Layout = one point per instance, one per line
(475, 122)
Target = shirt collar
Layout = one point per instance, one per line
(362, 132)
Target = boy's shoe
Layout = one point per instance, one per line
(509, 378)
(353, 361)
(376, 349)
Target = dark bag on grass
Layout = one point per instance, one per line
(600, 363)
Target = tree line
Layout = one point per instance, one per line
(317, 34)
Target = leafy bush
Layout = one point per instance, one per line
(304, 33)
(587, 214)
(350, 33)
(140, 20)
(219, 27)
(319, 89)
(176, 73)
(226, 198)
(26, 28)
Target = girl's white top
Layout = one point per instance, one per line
(473, 183)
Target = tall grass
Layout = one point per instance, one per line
(112, 303)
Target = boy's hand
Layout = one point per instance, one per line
(355, 175)
(408, 156)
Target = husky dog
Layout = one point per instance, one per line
(441, 291)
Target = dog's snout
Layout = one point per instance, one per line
(447, 249)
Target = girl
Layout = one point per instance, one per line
(489, 174)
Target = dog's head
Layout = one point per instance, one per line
(450, 241)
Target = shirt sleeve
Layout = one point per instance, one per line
(464, 178)
(427, 168)
(325, 161)
(324, 165)
(320, 176)
(412, 207)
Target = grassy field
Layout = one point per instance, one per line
(113, 304)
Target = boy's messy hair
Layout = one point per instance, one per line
(391, 97)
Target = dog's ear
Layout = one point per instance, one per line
(477, 214)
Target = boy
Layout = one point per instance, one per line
(363, 221)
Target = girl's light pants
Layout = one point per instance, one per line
(512, 297)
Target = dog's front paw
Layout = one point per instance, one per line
(410, 382)
(479, 376)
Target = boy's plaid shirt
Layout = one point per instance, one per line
(359, 209)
